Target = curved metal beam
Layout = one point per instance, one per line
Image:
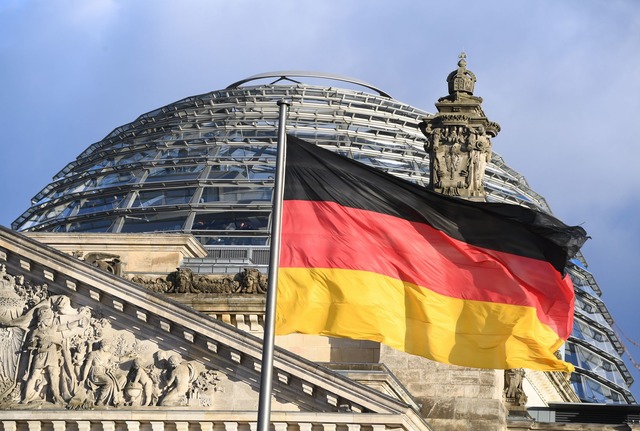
(286, 74)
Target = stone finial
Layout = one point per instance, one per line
(459, 138)
(461, 80)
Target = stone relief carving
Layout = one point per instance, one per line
(53, 353)
(183, 280)
(459, 155)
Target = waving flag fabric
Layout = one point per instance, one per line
(368, 256)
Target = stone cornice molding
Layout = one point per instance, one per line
(186, 244)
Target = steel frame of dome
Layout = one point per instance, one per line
(205, 165)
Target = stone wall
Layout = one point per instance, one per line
(451, 398)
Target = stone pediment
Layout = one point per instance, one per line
(77, 337)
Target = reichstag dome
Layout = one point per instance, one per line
(205, 165)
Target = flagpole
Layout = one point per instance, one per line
(266, 376)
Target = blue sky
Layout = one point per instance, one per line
(560, 77)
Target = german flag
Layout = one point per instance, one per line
(368, 256)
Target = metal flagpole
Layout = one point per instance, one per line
(266, 376)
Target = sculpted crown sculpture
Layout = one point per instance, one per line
(459, 138)
(461, 79)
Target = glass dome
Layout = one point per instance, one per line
(205, 165)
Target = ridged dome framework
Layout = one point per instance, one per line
(205, 165)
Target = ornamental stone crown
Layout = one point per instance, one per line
(461, 80)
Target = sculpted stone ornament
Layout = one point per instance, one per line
(252, 281)
(459, 138)
(513, 391)
(54, 354)
(101, 376)
(105, 261)
(183, 280)
(139, 389)
(179, 378)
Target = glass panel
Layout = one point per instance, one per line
(114, 179)
(59, 211)
(228, 172)
(228, 221)
(591, 361)
(262, 172)
(153, 223)
(163, 197)
(31, 221)
(105, 163)
(248, 152)
(210, 194)
(242, 195)
(138, 157)
(184, 152)
(100, 225)
(584, 331)
(102, 203)
(592, 391)
(174, 173)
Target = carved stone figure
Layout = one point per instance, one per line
(16, 298)
(181, 375)
(139, 388)
(513, 391)
(157, 284)
(251, 281)
(45, 346)
(480, 150)
(182, 280)
(7, 282)
(100, 377)
(68, 322)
